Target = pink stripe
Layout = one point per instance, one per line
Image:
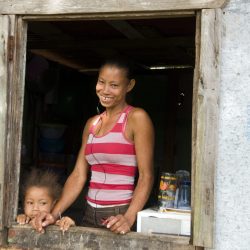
(121, 119)
(111, 195)
(115, 169)
(109, 138)
(114, 187)
(110, 148)
(107, 202)
(111, 178)
(118, 159)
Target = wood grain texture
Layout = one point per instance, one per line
(99, 6)
(205, 127)
(111, 15)
(92, 238)
(4, 34)
(15, 97)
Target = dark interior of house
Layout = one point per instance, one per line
(62, 64)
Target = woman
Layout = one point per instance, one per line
(115, 144)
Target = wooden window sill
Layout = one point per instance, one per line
(91, 238)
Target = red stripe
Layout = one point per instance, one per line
(114, 187)
(117, 128)
(110, 148)
(107, 202)
(115, 169)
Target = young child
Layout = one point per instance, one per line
(41, 191)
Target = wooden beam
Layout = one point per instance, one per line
(16, 73)
(93, 238)
(111, 16)
(46, 29)
(126, 29)
(45, 7)
(57, 57)
(205, 126)
(4, 41)
(114, 44)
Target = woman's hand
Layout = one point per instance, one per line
(118, 224)
(42, 220)
(23, 219)
(64, 223)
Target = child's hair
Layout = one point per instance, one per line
(44, 179)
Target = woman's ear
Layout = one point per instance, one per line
(131, 85)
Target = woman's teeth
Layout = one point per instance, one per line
(106, 98)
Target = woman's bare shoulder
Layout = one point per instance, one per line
(137, 114)
(90, 123)
(91, 120)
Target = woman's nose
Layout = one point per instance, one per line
(106, 88)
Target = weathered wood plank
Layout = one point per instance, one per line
(111, 16)
(194, 116)
(205, 128)
(91, 238)
(3, 237)
(16, 70)
(95, 6)
(4, 35)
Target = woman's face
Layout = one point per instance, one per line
(112, 86)
(37, 199)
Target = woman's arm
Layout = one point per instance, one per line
(71, 190)
(142, 131)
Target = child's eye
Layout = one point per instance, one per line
(114, 86)
(100, 81)
(43, 203)
(29, 203)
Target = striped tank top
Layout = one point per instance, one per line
(113, 165)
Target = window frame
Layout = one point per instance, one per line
(204, 113)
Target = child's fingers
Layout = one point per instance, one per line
(64, 223)
(70, 221)
(27, 220)
(21, 219)
(58, 222)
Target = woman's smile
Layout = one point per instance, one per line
(106, 98)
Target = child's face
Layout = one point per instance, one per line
(37, 199)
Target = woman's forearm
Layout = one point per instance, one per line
(71, 191)
(140, 196)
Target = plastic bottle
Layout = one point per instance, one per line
(184, 195)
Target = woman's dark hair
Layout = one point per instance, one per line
(121, 63)
(43, 179)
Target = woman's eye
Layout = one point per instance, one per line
(100, 81)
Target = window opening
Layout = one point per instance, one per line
(61, 71)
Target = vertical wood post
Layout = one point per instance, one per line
(4, 35)
(12, 60)
(205, 125)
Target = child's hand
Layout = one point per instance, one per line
(22, 219)
(64, 223)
